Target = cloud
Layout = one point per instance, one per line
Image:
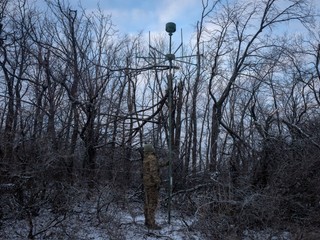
(132, 17)
(132, 20)
(178, 9)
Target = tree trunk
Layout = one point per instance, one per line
(215, 130)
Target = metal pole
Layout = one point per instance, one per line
(170, 135)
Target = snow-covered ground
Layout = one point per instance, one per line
(87, 220)
(84, 222)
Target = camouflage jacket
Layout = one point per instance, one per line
(151, 175)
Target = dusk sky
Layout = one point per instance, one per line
(134, 16)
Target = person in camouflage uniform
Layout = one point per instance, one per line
(151, 181)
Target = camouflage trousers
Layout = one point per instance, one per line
(150, 206)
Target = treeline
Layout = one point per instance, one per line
(78, 101)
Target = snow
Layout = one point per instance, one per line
(103, 219)
(266, 234)
(119, 222)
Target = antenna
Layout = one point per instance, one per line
(154, 56)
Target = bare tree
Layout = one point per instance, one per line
(235, 39)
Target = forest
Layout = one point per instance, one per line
(79, 99)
